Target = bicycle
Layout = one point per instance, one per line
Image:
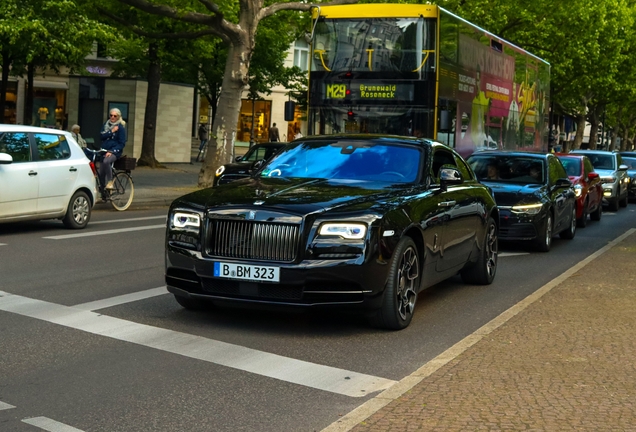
(121, 196)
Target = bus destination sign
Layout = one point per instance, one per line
(369, 91)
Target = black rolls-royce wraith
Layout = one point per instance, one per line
(356, 221)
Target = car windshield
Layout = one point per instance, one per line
(508, 168)
(572, 165)
(602, 161)
(347, 160)
(630, 162)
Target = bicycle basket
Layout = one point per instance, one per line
(125, 163)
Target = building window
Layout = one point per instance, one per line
(301, 55)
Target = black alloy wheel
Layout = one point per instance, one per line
(400, 292)
(484, 270)
(569, 233)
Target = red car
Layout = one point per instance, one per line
(587, 186)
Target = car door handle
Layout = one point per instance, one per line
(447, 204)
(72, 169)
(33, 173)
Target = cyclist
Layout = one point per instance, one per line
(113, 138)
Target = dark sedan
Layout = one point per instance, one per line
(536, 199)
(245, 164)
(587, 187)
(356, 221)
(629, 159)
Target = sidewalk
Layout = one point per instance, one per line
(562, 360)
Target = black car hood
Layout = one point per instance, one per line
(300, 196)
(509, 194)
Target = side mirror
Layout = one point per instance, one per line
(238, 158)
(623, 167)
(6, 159)
(259, 163)
(592, 176)
(562, 183)
(449, 176)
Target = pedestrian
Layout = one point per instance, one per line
(113, 137)
(75, 133)
(273, 133)
(203, 136)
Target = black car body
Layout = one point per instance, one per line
(355, 221)
(536, 199)
(245, 164)
(609, 165)
(629, 159)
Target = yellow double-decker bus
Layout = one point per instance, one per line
(420, 70)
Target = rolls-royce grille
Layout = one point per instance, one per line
(253, 240)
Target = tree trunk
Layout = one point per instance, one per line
(580, 127)
(28, 102)
(6, 65)
(593, 130)
(613, 139)
(147, 157)
(224, 127)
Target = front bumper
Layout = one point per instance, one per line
(514, 226)
(354, 282)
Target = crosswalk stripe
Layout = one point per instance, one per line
(122, 299)
(105, 232)
(50, 425)
(5, 406)
(286, 369)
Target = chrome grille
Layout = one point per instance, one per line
(253, 240)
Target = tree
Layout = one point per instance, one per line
(237, 29)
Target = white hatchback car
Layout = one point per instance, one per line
(44, 174)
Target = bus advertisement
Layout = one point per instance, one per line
(422, 71)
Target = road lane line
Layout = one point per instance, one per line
(5, 406)
(122, 299)
(50, 425)
(106, 232)
(370, 407)
(286, 369)
(508, 254)
(3, 244)
(164, 217)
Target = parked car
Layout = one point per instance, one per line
(361, 221)
(44, 175)
(613, 172)
(587, 187)
(245, 164)
(535, 197)
(629, 159)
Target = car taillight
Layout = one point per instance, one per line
(92, 165)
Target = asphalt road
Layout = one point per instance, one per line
(79, 353)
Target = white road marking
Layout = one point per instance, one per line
(507, 254)
(5, 406)
(3, 244)
(287, 369)
(370, 407)
(122, 299)
(106, 232)
(164, 217)
(50, 425)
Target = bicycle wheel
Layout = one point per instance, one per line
(122, 195)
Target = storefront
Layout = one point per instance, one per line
(10, 105)
(254, 121)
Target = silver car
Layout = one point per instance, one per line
(614, 176)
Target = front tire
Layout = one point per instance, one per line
(569, 233)
(596, 215)
(613, 204)
(400, 292)
(624, 201)
(544, 240)
(484, 270)
(78, 212)
(582, 222)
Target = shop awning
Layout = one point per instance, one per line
(50, 84)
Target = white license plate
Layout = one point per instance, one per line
(246, 272)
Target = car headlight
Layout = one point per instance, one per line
(349, 231)
(220, 170)
(608, 179)
(578, 190)
(185, 220)
(529, 209)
